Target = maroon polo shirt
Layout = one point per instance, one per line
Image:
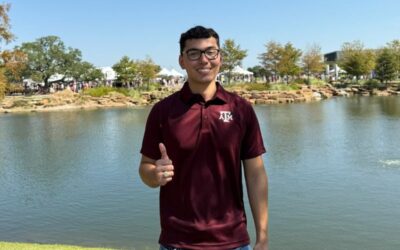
(202, 207)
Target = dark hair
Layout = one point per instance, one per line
(197, 32)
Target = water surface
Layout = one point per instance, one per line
(334, 171)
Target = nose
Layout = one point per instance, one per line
(203, 57)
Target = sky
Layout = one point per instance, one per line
(105, 31)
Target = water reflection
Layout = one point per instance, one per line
(374, 106)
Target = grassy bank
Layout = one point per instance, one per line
(130, 92)
(31, 246)
(262, 86)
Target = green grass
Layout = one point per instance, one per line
(133, 92)
(32, 246)
(102, 91)
(283, 86)
(262, 86)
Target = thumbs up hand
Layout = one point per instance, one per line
(164, 167)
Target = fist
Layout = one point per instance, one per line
(164, 169)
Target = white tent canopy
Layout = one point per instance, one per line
(172, 73)
(238, 74)
(176, 73)
(240, 71)
(109, 73)
(59, 77)
(164, 72)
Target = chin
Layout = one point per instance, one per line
(205, 80)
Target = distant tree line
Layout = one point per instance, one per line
(287, 62)
(46, 56)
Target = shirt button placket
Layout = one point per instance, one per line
(204, 118)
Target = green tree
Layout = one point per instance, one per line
(270, 59)
(6, 36)
(312, 60)
(289, 60)
(127, 71)
(385, 65)
(48, 56)
(394, 47)
(232, 56)
(85, 72)
(258, 71)
(356, 60)
(148, 70)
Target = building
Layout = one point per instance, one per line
(331, 61)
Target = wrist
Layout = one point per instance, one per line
(262, 236)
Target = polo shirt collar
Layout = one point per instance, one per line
(188, 97)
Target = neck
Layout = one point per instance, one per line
(206, 90)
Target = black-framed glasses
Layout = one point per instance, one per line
(195, 54)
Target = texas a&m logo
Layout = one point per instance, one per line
(225, 116)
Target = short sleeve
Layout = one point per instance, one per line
(252, 143)
(152, 134)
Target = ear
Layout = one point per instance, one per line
(181, 62)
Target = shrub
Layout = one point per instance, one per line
(14, 88)
(300, 81)
(102, 91)
(309, 81)
(317, 82)
(2, 90)
(150, 87)
(284, 87)
(3, 84)
(372, 84)
(134, 93)
(257, 86)
(262, 86)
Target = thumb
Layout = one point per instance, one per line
(163, 151)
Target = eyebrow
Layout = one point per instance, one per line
(211, 47)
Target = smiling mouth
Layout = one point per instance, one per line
(204, 70)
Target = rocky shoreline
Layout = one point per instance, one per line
(68, 100)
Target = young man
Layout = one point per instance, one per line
(193, 146)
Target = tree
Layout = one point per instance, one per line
(394, 47)
(312, 60)
(6, 36)
(270, 59)
(86, 72)
(356, 60)
(232, 56)
(48, 56)
(127, 70)
(5, 32)
(15, 65)
(3, 83)
(288, 61)
(385, 65)
(148, 70)
(258, 71)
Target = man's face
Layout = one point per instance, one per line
(201, 69)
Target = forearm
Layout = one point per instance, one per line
(258, 198)
(147, 174)
(257, 189)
